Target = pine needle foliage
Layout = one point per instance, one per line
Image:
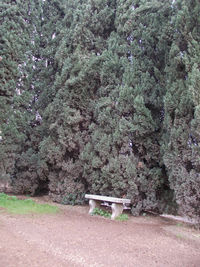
(181, 156)
(102, 97)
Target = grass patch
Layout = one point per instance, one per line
(122, 217)
(14, 205)
(179, 224)
(101, 212)
(179, 236)
(106, 214)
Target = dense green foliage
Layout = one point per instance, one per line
(181, 144)
(102, 97)
(15, 96)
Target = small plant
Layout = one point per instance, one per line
(101, 212)
(14, 205)
(179, 236)
(122, 217)
(106, 214)
(179, 224)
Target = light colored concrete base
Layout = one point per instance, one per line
(117, 210)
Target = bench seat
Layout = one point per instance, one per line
(117, 204)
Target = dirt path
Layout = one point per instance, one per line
(73, 238)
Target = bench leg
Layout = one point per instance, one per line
(117, 210)
(93, 204)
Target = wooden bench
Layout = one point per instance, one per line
(117, 204)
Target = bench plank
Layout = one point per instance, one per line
(108, 199)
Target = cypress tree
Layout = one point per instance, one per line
(102, 97)
(182, 109)
(148, 32)
(59, 150)
(123, 155)
(45, 23)
(24, 177)
(79, 58)
(14, 97)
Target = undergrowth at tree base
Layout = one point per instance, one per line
(106, 214)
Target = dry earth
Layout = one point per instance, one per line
(73, 238)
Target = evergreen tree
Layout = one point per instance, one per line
(79, 58)
(45, 25)
(59, 150)
(102, 97)
(182, 109)
(123, 155)
(148, 32)
(14, 98)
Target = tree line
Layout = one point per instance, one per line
(102, 97)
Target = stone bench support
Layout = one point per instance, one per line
(117, 204)
(93, 204)
(117, 210)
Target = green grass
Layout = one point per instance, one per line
(122, 217)
(179, 224)
(179, 236)
(101, 212)
(106, 214)
(14, 205)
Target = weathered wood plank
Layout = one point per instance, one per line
(108, 199)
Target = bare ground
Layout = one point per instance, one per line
(73, 238)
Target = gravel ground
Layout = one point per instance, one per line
(73, 238)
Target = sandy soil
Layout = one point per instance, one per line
(73, 238)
